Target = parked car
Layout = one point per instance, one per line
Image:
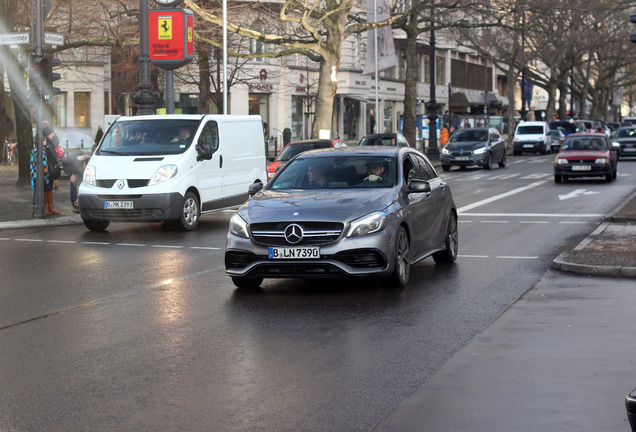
(586, 155)
(566, 126)
(556, 139)
(474, 146)
(346, 212)
(384, 139)
(625, 140)
(531, 136)
(296, 147)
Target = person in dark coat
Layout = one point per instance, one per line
(49, 157)
(74, 165)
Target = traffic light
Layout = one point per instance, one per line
(49, 77)
(36, 78)
(632, 37)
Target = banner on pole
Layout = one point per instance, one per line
(383, 35)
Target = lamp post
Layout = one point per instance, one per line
(143, 95)
(432, 151)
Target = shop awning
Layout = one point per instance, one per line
(466, 99)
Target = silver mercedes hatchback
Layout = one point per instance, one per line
(345, 212)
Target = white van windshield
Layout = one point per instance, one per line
(148, 137)
(529, 130)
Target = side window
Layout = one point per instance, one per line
(419, 169)
(427, 171)
(210, 135)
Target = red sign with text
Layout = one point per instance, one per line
(170, 37)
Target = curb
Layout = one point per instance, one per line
(612, 216)
(561, 263)
(34, 223)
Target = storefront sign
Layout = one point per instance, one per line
(170, 34)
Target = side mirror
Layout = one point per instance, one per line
(204, 151)
(254, 188)
(419, 186)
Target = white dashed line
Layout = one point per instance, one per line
(131, 244)
(61, 241)
(29, 240)
(516, 257)
(167, 246)
(534, 222)
(95, 243)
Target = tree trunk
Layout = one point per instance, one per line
(204, 78)
(326, 95)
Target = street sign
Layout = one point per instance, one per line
(170, 37)
(15, 38)
(54, 39)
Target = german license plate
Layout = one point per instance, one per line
(118, 204)
(528, 146)
(581, 168)
(462, 158)
(630, 149)
(294, 252)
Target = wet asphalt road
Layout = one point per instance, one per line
(139, 328)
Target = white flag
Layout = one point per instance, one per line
(386, 48)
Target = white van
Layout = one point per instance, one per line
(172, 168)
(531, 136)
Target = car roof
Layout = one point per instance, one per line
(582, 134)
(386, 151)
(312, 141)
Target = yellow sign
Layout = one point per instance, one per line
(165, 27)
(189, 34)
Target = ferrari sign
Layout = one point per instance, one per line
(170, 35)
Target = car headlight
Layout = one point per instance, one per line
(616, 144)
(238, 226)
(562, 161)
(445, 151)
(162, 174)
(368, 224)
(601, 161)
(480, 151)
(89, 175)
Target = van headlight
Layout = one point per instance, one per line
(368, 224)
(238, 226)
(89, 175)
(162, 174)
(480, 151)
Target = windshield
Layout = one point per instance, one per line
(566, 126)
(584, 143)
(336, 172)
(378, 141)
(148, 137)
(293, 149)
(469, 135)
(626, 133)
(529, 130)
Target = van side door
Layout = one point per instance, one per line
(208, 172)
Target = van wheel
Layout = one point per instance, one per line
(96, 225)
(190, 212)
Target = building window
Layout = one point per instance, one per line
(259, 105)
(388, 116)
(297, 120)
(59, 110)
(440, 69)
(256, 46)
(82, 103)
(106, 103)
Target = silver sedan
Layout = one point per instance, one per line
(346, 212)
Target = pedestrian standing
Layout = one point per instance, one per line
(50, 172)
(443, 135)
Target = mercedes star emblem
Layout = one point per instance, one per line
(293, 233)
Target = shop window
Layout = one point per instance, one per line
(82, 103)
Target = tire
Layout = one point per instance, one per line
(190, 212)
(488, 164)
(96, 225)
(401, 264)
(247, 283)
(449, 255)
(558, 178)
(608, 177)
(516, 153)
(446, 167)
(615, 174)
(502, 162)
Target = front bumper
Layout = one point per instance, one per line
(146, 208)
(575, 170)
(463, 160)
(361, 256)
(529, 146)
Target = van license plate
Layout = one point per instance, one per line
(294, 253)
(118, 204)
(528, 146)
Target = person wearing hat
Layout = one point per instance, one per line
(54, 142)
(74, 165)
(49, 159)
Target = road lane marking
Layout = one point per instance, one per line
(500, 196)
(61, 241)
(516, 257)
(95, 243)
(549, 215)
(501, 222)
(205, 248)
(167, 246)
(473, 256)
(131, 244)
(29, 240)
(534, 222)
(572, 222)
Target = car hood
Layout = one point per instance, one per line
(465, 145)
(335, 206)
(584, 154)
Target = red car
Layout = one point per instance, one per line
(296, 147)
(586, 155)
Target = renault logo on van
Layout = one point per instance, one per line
(293, 233)
(120, 184)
